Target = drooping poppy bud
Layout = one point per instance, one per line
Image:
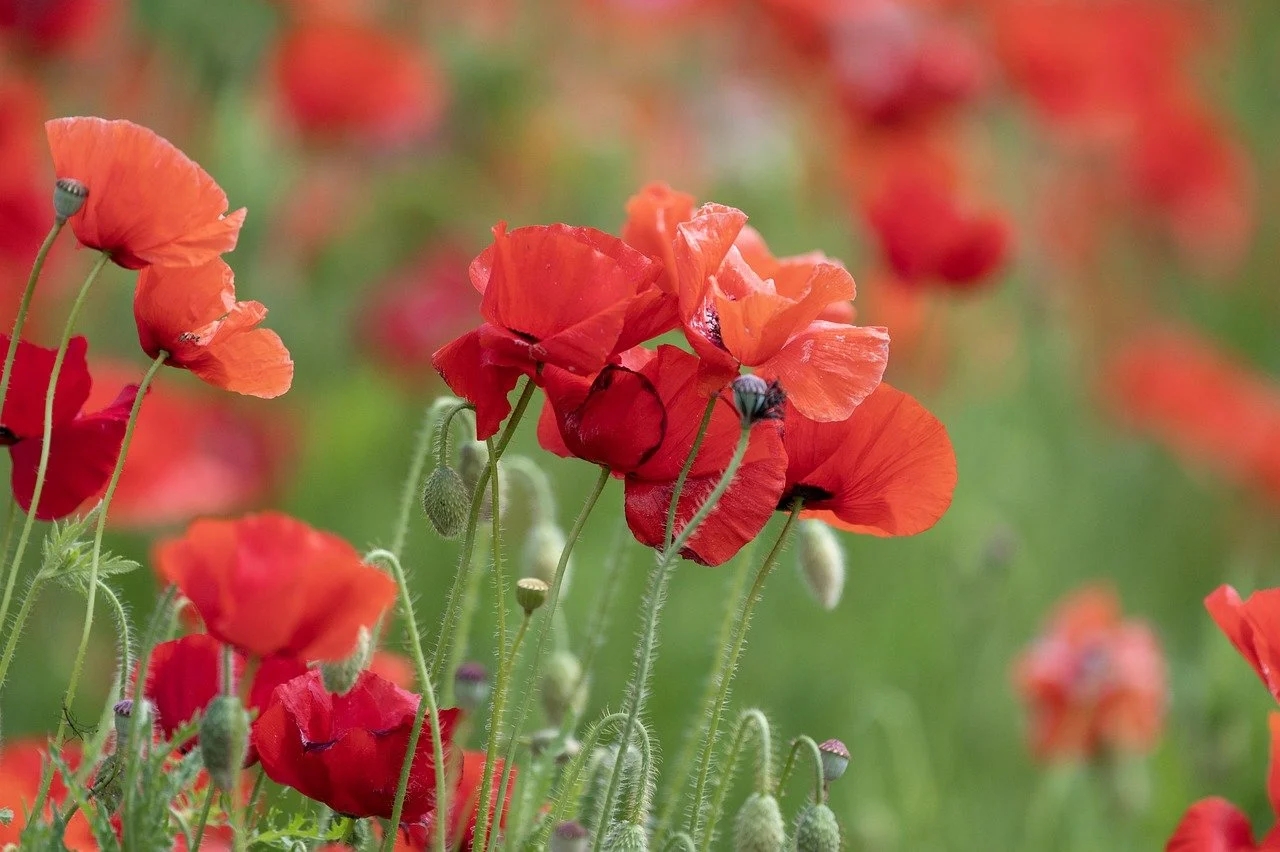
(340, 676)
(68, 197)
(224, 739)
(821, 562)
(564, 689)
(835, 760)
(471, 686)
(570, 837)
(759, 827)
(531, 593)
(817, 830)
(447, 501)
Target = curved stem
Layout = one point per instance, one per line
(498, 709)
(657, 592)
(569, 781)
(204, 818)
(729, 664)
(43, 468)
(764, 767)
(24, 305)
(819, 784)
(636, 808)
(417, 466)
(122, 619)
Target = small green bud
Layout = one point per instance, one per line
(835, 760)
(817, 830)
(625, 837)
(69, 195)
(471, 687)
(756, 400)
(447, 501)
(531, 593)
(821, 562)
(224, 739)
(339, 677)
(564, 689)
(759, 826)
(542, 548)
(570, 837)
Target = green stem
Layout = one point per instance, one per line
(24, 305)
(699, 437)
(15, 630)
(569, 781)
(204, 817)
(764, 767)
(43, 468)
(428, 704)
(122, 619)
(498, 708)
(159, 620)
(819, 783)
(449, 628)
(658, 579)
(417, 467)
(466, 617)
(77, 667)
(729, 665)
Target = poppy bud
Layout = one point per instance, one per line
(817, 830)
(835, 760)
(759, 827)
(224, 739)
(531, 593)
(570, 837)
(625, 836)
(68, 197)
(473, 459)
(756, 400)
(821, 562)
(340, 676)
(123, 719)
(599, 771)
(564, 689)
(471, 686)
(447, 501)
(542, 548)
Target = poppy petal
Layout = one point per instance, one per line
(1250, 625)
(469, 372)
(620, 423)
(701, 246)
(29, 383)
(828, 369)
(1212, 825)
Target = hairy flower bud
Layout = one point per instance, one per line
(564, 689)
(340, 676)
(570, 837)
(759, 826)
(531, 593)
(69, 195)
(625, 837)
(447, 501)
(756, 400)
(599, 771)
(471, 687)
(821, 562)
(835, 760)
(817, 830)
(542, 548)
(224, 739)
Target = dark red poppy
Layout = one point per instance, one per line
(1253, 626)
(148, 202)
(552, 295)
(889, 469)
(347, 750)
(22, 764)
(271, 585)
(1092, 680)
(52, 26)
(639, 419)
(192, 314)
(83, 448)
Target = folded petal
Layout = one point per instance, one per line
(829, 368)
(468, 371)
(1253, 626)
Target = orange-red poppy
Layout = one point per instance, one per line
(1092, 680)
(271, 585)
(21, 766)
(1253, 626)
(192, 314)
(889, 469)
(148, 202)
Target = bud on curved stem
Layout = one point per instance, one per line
(339, 677)
(817, 830)
(750, 720)
(819, 781)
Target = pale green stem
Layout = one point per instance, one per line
(508, 665)
(122, 619)
(498, 707)
(749, 719)
(565, 794)
(204, 818)
(417, 467)
(815, 754)
(24, 305)
(461, 644)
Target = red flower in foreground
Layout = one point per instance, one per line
(269, 584)
(464, 806)
(347, 750)
(887, 470)
(193, 315)
(21, 767)
(148, 203)
(1216, 825)
(639, 419)
(552, 295)
(83, 448)
(1253, 626)
(1092, 681)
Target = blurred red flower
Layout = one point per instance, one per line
(21, 766)
(269, 584)
(639, 419)
(464, 806)
(83, 448)
(192, 314)
(51, 26)
(889, 469)
(347, 750)
(345, 80)
(1253, 626)
(1092, 681)
(148, 202)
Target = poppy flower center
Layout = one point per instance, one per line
(808, 493)
(7, 438)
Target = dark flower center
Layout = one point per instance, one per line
(7, 438)
(807, 493)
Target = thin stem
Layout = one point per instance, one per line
(640, 798)
(428, 704)
(24, 305)
(811, 748)
(569, 781)
(699, 437)
(122, 619)
(749, 719)
(658, 579)
(204, 817)
(417, 466)
(466, 616)
(159, 619)
(498, 708)
(729, 664)
(77, 667)
(43, 468)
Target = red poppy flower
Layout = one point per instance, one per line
(83, 448)
(464, 807)
(1093, 681)
(346, 80)
(394, 667)
(269, 584)
(553, 295)
(21, 767)
(192, 314)
(639, 419)
(148, 203)
(52, 26)
(1253, 626)
(347, 750)
(1216, 825)
(889, 469)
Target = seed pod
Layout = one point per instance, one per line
(759, 826)
(339, 677)
(564, 689)
(625, 837)
(447, 501)
(835, 760)
(531, 593)
(756, 400)
(817, 830)
(69, 195)
(570, 837)
(471, 687)
(224, 739)
(821, 562)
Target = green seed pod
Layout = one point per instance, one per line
(759, 826)
(224, 739)
(564, 689)
(625, 837)
(835, 760)
(570, 837)
(447, 501)
(340, 676)
(531, 593)
(541, 556)
(817, 830)
(69, 195)
(821, 562)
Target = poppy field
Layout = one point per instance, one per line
(601, 425)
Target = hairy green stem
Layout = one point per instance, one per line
(122, 621)
(749, 719)
(471, 596)
(498, 707)
(24, 305)
(204, 817)
(815, 754)
(569, 781)
(417, 467)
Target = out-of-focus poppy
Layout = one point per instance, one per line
(346, 80)
(639, 419)
(192, 314)
(21, 767)
(552, 295)
(347, 750)
(148, 202)
(1253, 626)
(1092, 681)
(51, 26)
(1216, 825)
(889, 469)
(394, 667)
(83, 448)
(271, 585)
(464, 806)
